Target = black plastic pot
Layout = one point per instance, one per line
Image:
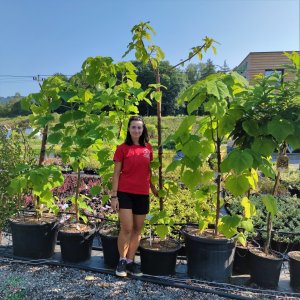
(265, 271)
(208, 258)
(110, 250)
(159, 261)
(76, 246)
(241, 262)
(294, 266)
(36, 241)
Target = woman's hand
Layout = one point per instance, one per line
(154, 190)
(114, 203)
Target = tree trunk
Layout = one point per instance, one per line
(160, 149)
(218, 185)
(76, 195)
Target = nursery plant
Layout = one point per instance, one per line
(107, 91)
(201, 138)
(34, 235)
(13, 151)
(271, 122)
(111, 93)
(149, 53)
(40, 179)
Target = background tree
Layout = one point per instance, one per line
(193, 72)
(174, 80)
(12, 107)
(225, 68)
(207, 68)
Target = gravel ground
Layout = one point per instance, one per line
(42, 282)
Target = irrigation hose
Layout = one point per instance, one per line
(163, 280)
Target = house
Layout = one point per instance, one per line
(264, 63)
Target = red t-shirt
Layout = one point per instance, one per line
(135, 172)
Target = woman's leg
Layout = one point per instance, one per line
(126, 224)
(137, 226)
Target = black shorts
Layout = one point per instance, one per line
(138, 203)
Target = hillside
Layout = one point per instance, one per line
(4, 100)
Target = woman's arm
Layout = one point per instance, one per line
(152, 186)
(115, 183)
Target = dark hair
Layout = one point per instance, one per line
(144, 138)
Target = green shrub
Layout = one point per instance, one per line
(13, 151)
(287, 219)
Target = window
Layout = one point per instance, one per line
(277, 72)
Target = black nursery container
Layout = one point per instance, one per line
(294, 265)
(76, 246)
(36, 241)
(159, 262)
(241, 262)
(110, 250)
(208, 258)
(265, 271)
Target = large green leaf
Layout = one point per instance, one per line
(280, 129)
(228, 225)
(251, 127)
(264, 145)
(173, 165)
(226, 125)
(249, 208)
(191, 178)
(247, 225)
(191, 148)
(206, 147)
(54, 138)
(185, 126)
(237, 184)
(191, 92)
(44, 120)
(237, 160)
(216, 107)
(55, 104)
(294, 139)
(271, 204)
(238, 78)
(17, 185)
(72, 116)
(162, 231)
(267, 168)
(196, 102)
(217, 88)
(235, 113)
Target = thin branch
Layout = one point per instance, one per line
(189, 58)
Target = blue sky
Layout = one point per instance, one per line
(45, 37)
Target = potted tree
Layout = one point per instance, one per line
(210, 248)
(35, 236)
(14, 150)
(109, 231)
(159, 254)
(241, 262)
(107, 93)
(151, 54)
(270, 121)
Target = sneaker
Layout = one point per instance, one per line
(134, 269)
(121, 268)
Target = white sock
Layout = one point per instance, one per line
(129, 260)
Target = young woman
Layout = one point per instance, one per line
(130, 192)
